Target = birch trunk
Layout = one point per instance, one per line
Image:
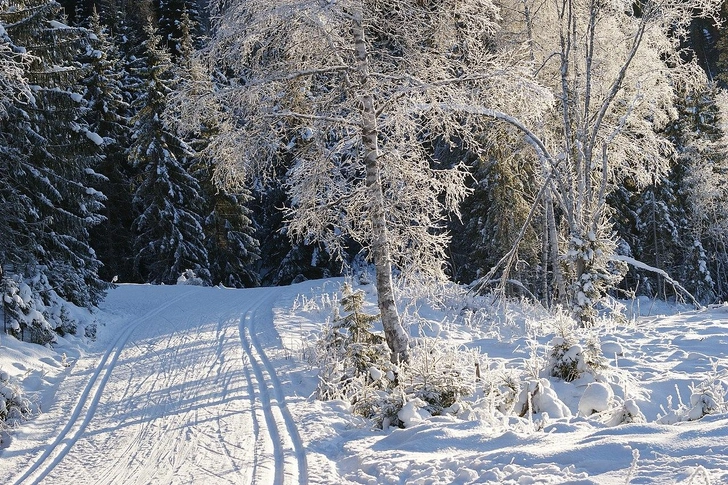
(553, 237)
(394, 332)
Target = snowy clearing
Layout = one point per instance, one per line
(187, 384)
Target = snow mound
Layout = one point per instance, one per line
(597, 397)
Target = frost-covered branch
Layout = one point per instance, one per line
(661, 272)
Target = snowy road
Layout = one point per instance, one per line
(183, 391)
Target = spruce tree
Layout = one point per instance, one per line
(54, 153)
(172, 23)
(494, 213)
(233, 250)
(109, 114)
(169, 238)
(16, 208)
(232, 247)
(703, 163)
(722, 49)
(676, 223)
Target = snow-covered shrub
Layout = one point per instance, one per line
(625, 413)
(569, 360)
(412, 412)
(501, 390)
(707, 397)
(438, 374)
(355, 365)
(432, 383)
(538, 397)
(189, 277)
(25, 308)
(14, 406)
(316, 304)
(380, 406)
(597, 397)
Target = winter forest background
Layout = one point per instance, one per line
(565, 151)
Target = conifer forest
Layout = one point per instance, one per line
(569, 152)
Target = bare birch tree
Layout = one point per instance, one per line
(613, 68)
(354, 92)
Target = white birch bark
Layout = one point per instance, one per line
(396, 337)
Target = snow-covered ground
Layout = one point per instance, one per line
(187, 384)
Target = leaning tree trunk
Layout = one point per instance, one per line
(394, 332)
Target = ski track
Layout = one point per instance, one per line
(281, 444)
(189, 400)
(78, 423)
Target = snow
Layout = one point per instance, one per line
(191, 384)
(94, 137)
(597, 397)
(58, 25)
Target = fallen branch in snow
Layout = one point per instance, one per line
(661, 272)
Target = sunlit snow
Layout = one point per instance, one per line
(187, 384)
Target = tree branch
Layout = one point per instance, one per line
(661, 272)
(293, 114)
(298, 75)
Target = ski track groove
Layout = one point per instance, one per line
(253, 415)
(267, 439)
(277, 431)
(42, 467)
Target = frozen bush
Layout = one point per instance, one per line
(189, 277)
(537, 397)
(502, 389)
(569, 360)
(355, 365)
(14, 406)
(625, 413)
(438, 374)
(707, 397)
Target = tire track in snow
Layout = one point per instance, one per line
(288, 455)
(79, 419)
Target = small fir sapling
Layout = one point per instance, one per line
(355, 357)
(569, 360)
